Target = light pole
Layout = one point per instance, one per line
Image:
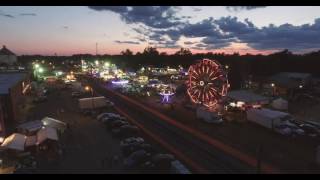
(273, 89)
(88, 88)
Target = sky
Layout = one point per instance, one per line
(76, 29)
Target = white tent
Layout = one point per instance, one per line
(15, 141)
(46, 133)
(54, 123)
(280, 104)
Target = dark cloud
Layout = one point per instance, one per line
(285, 36)
(28, 14)
(220, 33)
(240, 8)
(151, 16)
(126, 42)
(65, 27)
(117, 9)
(188, 43)
(157, 23)
(6, 15)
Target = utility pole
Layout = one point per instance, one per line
(96, 49)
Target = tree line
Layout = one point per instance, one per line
(240, 66)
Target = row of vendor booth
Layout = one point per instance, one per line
(33, 138)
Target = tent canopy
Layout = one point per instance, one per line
(54, 123)
(15, 141)
(246, 96)
(47, 133)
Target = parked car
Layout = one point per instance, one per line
(163, 161)
(76, 94)
(126, 131)
(129, 149)
(289, 129)
(107, 115)
(136, 159)
(90, 112)
(159, 163)
(40, 99)
(310, 130)
(131, 140)
(110, 104)
(116, 124)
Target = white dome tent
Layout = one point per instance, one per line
(280, 104)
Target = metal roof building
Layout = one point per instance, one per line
(246, 96)
(7, 57)
(8, 80)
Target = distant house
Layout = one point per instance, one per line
(7, 57)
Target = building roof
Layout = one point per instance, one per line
(246, 96)
(31, 126)
(7, 80)
(5, 51)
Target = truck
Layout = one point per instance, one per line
(276, 121)
(208, 116)
(266, 117)
(94, 102)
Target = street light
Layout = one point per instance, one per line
(36, 66)
(40, 70)
(96, 62)
(88, 88)
(273, 89)
(106, 64)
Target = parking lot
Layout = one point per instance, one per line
(88, 146)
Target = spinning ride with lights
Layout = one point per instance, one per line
(207, 83)
(166, 94)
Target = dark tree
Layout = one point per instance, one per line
(127, 52)
(150, 51)
(183, 52)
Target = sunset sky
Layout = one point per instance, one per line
(244, 29)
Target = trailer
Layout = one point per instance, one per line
(93, 102)
(267, 118)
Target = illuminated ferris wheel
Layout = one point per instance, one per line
(207, 83)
